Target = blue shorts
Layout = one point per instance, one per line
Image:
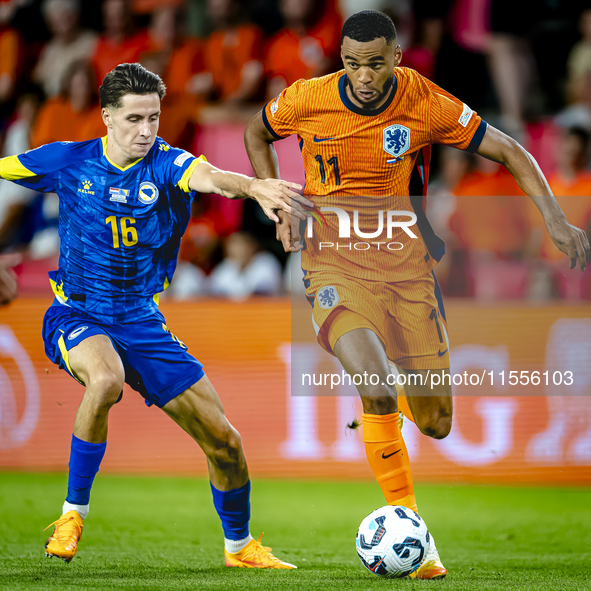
(156, 362)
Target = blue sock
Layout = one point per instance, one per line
(233, 507)
(85, 459)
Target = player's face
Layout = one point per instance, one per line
(133, 126)
(370, 70)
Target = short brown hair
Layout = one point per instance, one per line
(129, 79)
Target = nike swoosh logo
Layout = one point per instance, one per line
(441, 353)
(325, 139)
(390, 455)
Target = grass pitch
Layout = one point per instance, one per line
(163, 533)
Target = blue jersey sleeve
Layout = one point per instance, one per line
(38, 169)
(178, 166)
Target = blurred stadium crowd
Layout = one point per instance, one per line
(525, 69)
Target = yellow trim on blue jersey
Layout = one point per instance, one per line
(184, 182)
(11, 169)
(58, 290)
(104, 140)
(65, 357)
(156, 296)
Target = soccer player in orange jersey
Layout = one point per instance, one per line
(365, 135)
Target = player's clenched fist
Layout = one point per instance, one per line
(8, 278)
(571, 240)
(272, 194)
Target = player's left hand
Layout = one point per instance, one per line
(8, 278)
(279, 194)
(571, 240)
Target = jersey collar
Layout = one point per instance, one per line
(124, 168)
(367, 112)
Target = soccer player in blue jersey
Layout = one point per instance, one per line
(125, 201)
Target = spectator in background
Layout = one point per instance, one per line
(246, 270)
(15, 199)
(307, 47)
(579, 66)
(491, 228)
(571, 184)
(232, 68)
(171, 57)
(10, 56)
(68, 44)
(120, 43)
(578, 87)
(73, 115)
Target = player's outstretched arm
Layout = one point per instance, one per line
(263, 158)
(521, 164)
(271, 194)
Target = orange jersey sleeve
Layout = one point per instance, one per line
(282, 115)
(452, 122)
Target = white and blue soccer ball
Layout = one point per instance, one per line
(392, 541)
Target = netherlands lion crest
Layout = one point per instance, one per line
(396, 140)
(328, 297)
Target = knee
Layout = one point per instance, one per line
(436, 425)
(227, 449)
(379, 400)
(106, 386)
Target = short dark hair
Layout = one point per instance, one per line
(129, 79)
(367, 25)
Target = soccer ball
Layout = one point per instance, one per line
(392, 541)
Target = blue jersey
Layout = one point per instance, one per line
(120, 228)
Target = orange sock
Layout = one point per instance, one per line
(388, 458)
(403, 406)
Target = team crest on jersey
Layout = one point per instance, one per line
(396, 141)
(328, 297)
(148, 193)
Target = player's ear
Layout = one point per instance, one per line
(397, 55)
(106, 117)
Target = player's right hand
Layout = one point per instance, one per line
(287, 232)
(8, 278)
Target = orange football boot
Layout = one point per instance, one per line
(255, 555)
(431, 568)
(63, 542)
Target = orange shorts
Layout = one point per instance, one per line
(408, 316)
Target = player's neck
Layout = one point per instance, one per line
(117, 156)
(373, 107)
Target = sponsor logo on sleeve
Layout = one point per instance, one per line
(274, 106)
(182, 158)
(465, 116)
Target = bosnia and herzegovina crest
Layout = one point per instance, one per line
(396, 141)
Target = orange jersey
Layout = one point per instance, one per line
(370, 162)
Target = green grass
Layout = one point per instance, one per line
(163, 533)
